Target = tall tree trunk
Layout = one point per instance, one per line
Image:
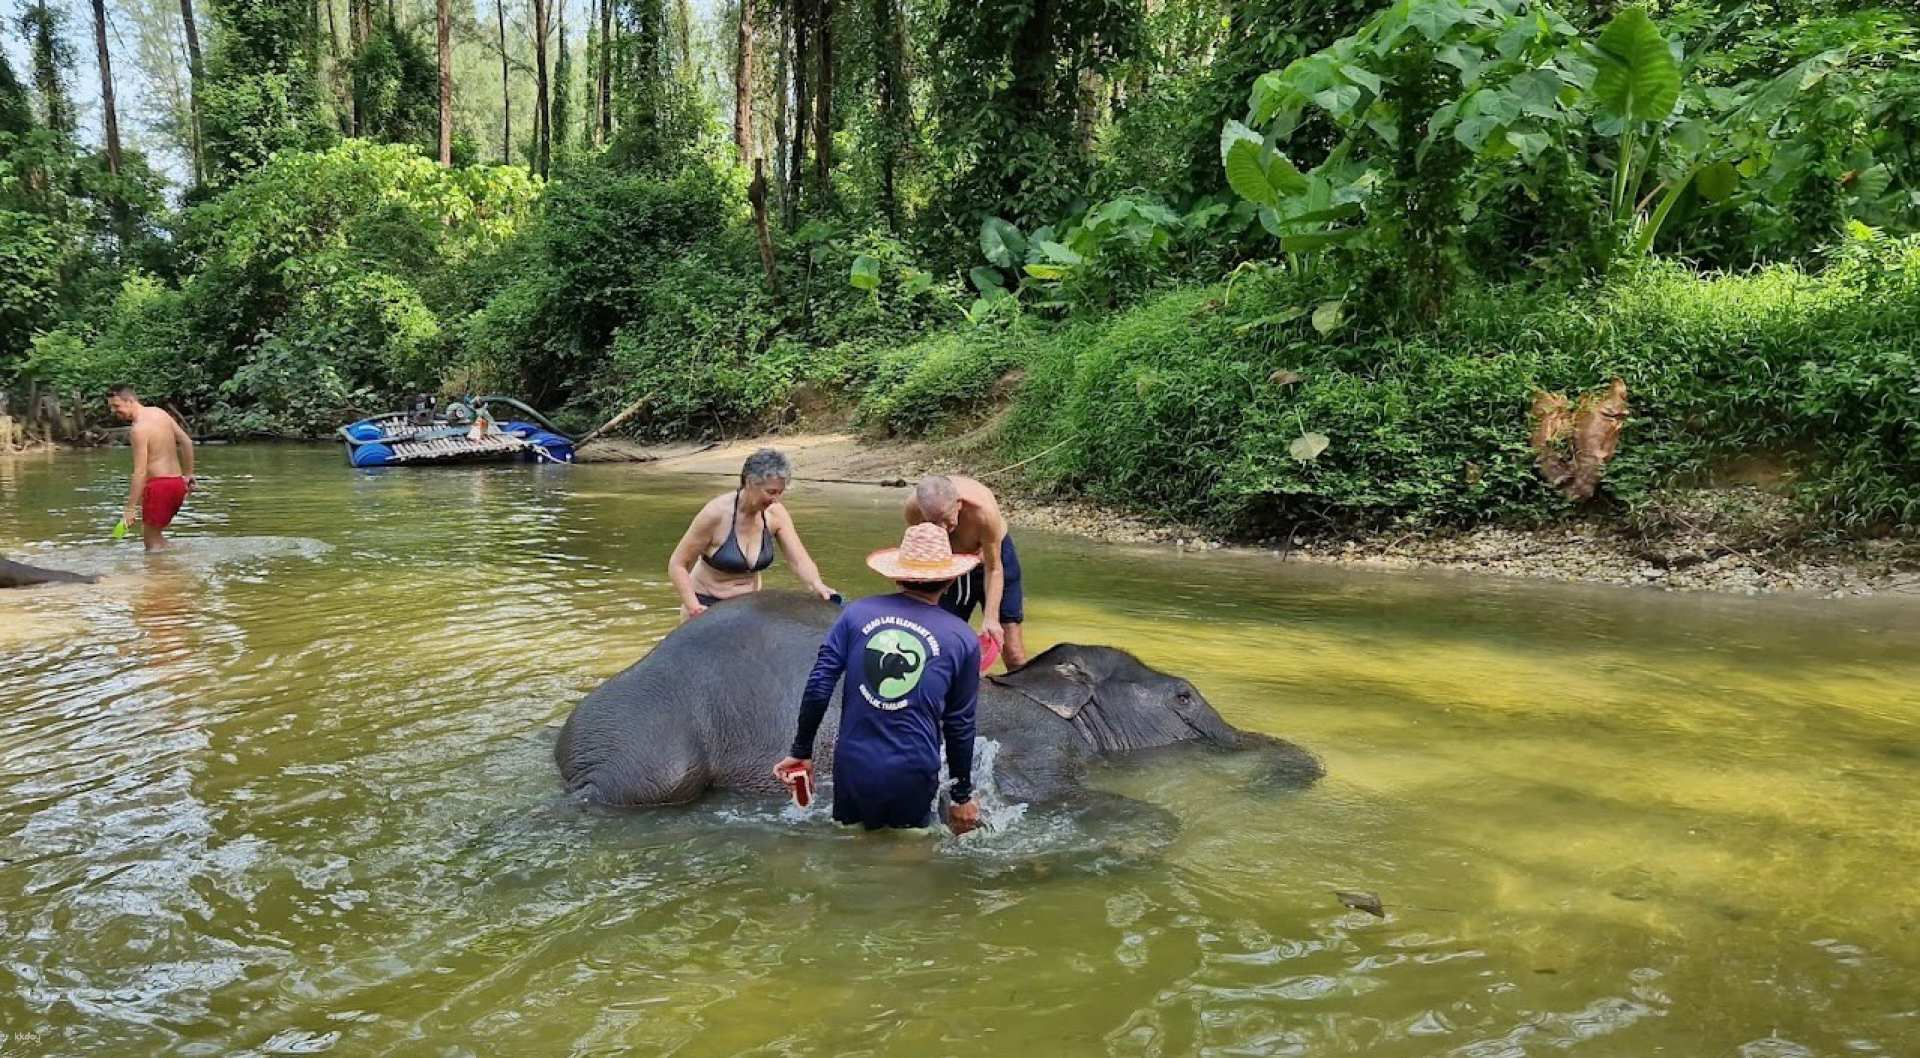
(757, 197)
(194, 70)
(743, 83)
(444, 17)
(342, 102)
(800, 13)
(605, 88)
(780, 86)
(683, 30)
(590, 133)
(890, 86)
(823, 99)
(543, 139)
(110, 116)
(506, 96)
(360, 22)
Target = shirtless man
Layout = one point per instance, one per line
(162, 465)
(971, 516)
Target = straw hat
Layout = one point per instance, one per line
(924, 554)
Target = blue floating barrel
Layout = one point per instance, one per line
(373, 455)
(361, 431)
(558, 448)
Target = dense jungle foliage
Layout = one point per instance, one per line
(1258, 263)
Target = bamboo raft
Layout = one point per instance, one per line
(513, 432)
(460, 447)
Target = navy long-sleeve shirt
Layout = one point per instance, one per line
(912, 680)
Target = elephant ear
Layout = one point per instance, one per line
(1062, 686)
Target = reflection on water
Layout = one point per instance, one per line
(288, 789)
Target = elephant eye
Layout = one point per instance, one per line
(1185, 697)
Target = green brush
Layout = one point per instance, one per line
(120, 529)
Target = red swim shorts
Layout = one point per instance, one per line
(161, 500)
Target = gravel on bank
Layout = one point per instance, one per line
(1589, 551)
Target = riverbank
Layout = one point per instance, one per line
(1739, 540)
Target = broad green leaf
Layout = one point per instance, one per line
(1637, 76)
(1338, 100)
(1384, 119)
(1057, 252)
(866, 273)
(993, 294)
(1270, 320)
(1472, 133)
(1113, 212)
(1437, 125)
(1529, 144)
(985, 279)
(1307, 447)
(1873, 181)
(1271, 220)
(1389, 26)
(1433, 18)
(916, 283)
(1493, 103)
(1240, 151)
(1329, 315)
(1516, 37)
(1717, 181)
(1158, 214)
(1284, 177)
(1365, 78)
(1048, 271)
(1002, 242)
(1575, 70)
(1690, 137)
(1314, 241)
(1537, 93)
(1270, 94)
(1463, 57)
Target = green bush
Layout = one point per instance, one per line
(931, 382)
(30, 252)
(143, 337)
(322, 282)
(1192, 403)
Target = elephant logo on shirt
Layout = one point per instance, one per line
(895, 660)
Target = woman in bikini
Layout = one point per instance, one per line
(733, 539)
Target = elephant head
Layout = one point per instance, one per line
(1118, 703)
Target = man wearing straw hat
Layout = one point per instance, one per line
(912, 679)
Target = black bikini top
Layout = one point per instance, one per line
(728, 558)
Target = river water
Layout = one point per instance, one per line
(290, 790)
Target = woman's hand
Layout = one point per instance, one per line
(825, 593)
(694, 608)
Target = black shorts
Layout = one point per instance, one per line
(968, 593)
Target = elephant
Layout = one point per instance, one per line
(20, 575)
(715, 703)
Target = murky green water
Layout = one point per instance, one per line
(290, 790)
